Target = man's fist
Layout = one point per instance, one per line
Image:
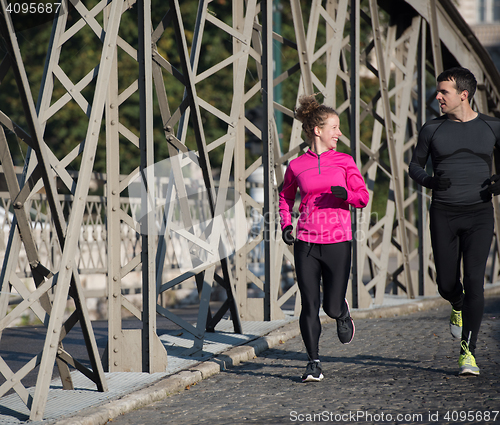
(494, 186)
(439, 183)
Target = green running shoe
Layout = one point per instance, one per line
(467, 362)
(456, 323)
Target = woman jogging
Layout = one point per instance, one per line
(328, 182)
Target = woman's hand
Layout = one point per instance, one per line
(287, 235)
(339, 192)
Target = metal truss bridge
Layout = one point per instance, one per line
(374, 61)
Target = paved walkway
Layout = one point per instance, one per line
(398, 364)
(398, 369)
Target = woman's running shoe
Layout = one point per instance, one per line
(345, 327)
(313, 372)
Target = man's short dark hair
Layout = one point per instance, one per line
(464, 80)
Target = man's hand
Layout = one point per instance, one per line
(494, 186)
(287, 236)
(339, 192)
(439, 183)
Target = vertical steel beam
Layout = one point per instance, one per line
(421, 200)
(148, 195)
(240, 259)
(268, 155)
(117, 347)
(355, 136)
(391, 144)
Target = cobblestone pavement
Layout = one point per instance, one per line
(400, 370)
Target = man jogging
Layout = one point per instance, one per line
(460, 144)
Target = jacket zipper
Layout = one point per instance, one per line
(319, 164)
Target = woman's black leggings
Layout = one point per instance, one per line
(462, 235)
(313, 262)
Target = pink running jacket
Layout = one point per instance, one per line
(324, 218)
